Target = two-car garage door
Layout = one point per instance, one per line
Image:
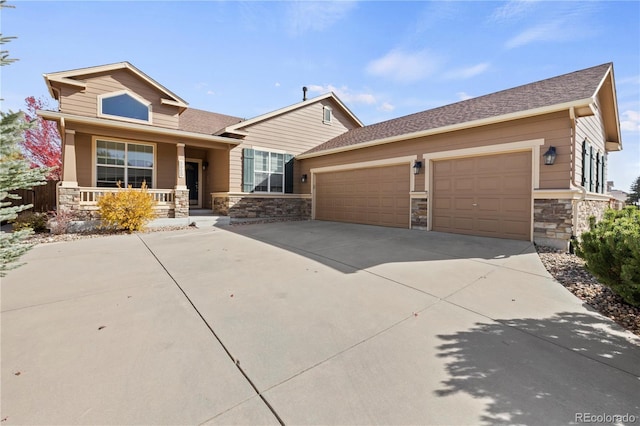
(372, 196)
(482, 195)
(488, 195)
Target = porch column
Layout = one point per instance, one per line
(181, 180)
(69, 173)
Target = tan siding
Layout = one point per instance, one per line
(294, 133)
(84, 160)
(553, 128)
(166, 166)
(74, 101)
(219, 170)
(591, 128)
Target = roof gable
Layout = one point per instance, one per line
(238, 128)
(577, 89)
(75, 78)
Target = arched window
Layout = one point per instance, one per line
(123, 104)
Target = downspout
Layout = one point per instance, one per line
(583, 191)
(61, 129)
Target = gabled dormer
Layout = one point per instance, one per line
(117, 92)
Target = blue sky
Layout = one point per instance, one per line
(383, 59)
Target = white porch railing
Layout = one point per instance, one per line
(162, 197)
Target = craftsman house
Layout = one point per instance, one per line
(525, 163)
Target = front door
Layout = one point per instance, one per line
(193, 182)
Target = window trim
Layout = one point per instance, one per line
(94, 158)
(119, 117)
(326, 109)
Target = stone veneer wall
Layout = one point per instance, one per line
(586, 209)
(255, 207)
(553, 222)
(419, 213)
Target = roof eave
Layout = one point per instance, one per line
(112, 124)
(454, 127)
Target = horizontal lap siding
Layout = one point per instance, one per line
(74, 101)
(293, 132)
(555, 129)
(590, 128)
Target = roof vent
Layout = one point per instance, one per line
(304, 93)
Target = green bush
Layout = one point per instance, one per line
(129, 209)
(35, 221)
(611, 250)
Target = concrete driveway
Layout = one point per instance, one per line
(305, 323)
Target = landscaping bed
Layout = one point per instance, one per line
(568, 269)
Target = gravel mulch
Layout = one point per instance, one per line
(568, 269)
(43, 238)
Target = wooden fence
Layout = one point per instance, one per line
(42, 197)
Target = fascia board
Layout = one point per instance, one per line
(453, 127)
(68, 119)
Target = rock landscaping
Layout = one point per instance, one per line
(568, 269)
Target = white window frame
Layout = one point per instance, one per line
(269, 172)
(119, 117)
(327, 110)
(94, 156)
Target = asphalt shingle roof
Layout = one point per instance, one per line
(209, 123)
(553, 91)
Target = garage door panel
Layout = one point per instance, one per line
(484, 195)
(376, 196)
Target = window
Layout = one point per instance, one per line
(124, 105)
(327, 115)
(593, 168)
(266, 171)
(128, 163)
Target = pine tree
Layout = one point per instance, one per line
(634, 195)
(15, 173)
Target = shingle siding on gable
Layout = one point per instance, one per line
(293, 133)
(75, 101)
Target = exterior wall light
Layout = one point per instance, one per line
(205, 164)
(416, 167)
(303, 178)
(550, 156)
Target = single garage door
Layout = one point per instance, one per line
(372, 196)
(486, 195)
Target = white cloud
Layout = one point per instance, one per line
(631, 121)
(210, 92)
(404, 66)
(468, 72)
(386, 107)
(303, 16)
(463, 96)
(345, 94)
(549, 31)
(277, 84)
(512, 10)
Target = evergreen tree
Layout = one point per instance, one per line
(634, 195)
(15, 173)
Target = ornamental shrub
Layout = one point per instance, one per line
(129, 209)
(32, 220)
(611, 250)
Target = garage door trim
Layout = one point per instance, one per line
(529, 145)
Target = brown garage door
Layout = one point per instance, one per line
(487, 195)
(373, 196)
